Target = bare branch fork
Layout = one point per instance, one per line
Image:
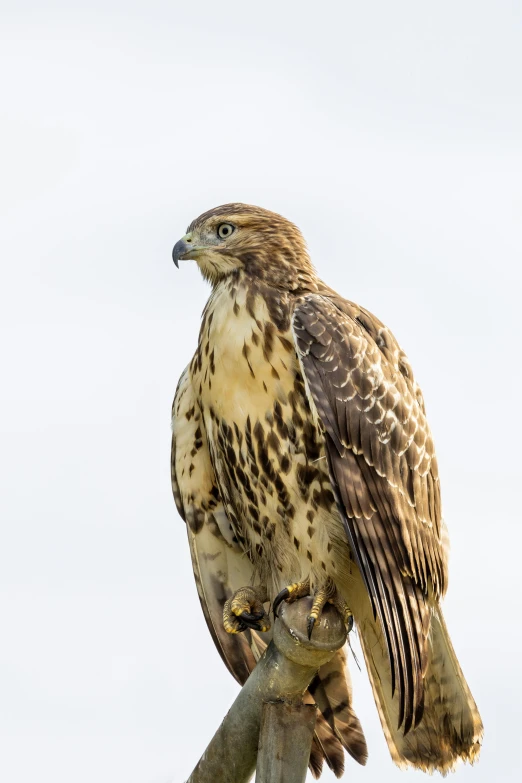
(268, 729)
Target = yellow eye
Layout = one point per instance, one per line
(224, 230)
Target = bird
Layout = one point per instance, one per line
(303, 465)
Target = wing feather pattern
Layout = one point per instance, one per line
(219, 569)
(384, 473)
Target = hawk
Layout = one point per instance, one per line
(303, 464)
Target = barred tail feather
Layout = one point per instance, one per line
(451, 727)
(332, 691)
(316, 758)
(326, 742)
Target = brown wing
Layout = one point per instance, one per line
(219, 567)
(384, 473)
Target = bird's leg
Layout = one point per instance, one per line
(326, 594)
(245, 610)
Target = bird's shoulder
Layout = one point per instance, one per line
(365, 327)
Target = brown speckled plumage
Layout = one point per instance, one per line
(301, 451)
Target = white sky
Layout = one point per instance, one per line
(391, 133)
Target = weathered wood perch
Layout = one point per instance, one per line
(268, 724)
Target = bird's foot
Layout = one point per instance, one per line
(291, 594)
(245, 610)
(327, 593)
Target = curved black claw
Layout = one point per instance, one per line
(252, 616)
(251, 620)
(349, 624)
(310, 626)
(280, 597)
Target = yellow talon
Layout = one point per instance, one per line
(245, 610)
(291, 593)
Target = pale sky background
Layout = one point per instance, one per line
(391, 133)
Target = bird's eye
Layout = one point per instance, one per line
(224, 230)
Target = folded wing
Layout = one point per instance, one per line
(384, 473)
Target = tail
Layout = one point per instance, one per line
(451, 727)
(337, 724)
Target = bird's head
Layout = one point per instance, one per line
(237, 238)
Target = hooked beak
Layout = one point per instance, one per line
(184, 248)
(181, 248)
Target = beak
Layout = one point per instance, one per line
(180, 249)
